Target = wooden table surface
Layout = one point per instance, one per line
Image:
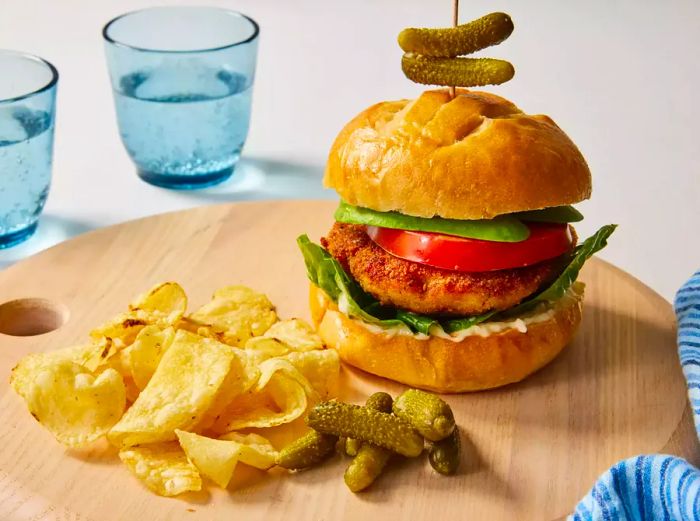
(531, 449)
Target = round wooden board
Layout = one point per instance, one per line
(531, 449)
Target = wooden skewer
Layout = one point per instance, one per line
(455, 22)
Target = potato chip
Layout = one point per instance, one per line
(188, 324)
(256, 450)
(164, 305)
(118, 363)
(24, 373)
(320, 367)
(182, 389)
(235, 314)
(132, 391)
(280, 396)
(162, 467)
(215, 459)
(260, 348)
(242, 376)
(280, 365)
(230, 365)
(71, 402)
(143, 356)
(296, 334)
(103, 350)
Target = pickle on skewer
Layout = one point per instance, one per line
(467, 38)
(457, 72)
(426, 412)
(444, 455)
(379, 401)
(307, 451)
(378, 428)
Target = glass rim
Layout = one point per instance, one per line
(108, 38)
(32, 57)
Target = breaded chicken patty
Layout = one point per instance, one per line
(427, 290)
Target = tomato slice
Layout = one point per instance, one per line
(546, 241)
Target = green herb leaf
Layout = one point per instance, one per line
(504, 228)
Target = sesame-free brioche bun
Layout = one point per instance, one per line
(472, 157)
(442, 365)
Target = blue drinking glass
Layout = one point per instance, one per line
(182, 78)
(27, 111)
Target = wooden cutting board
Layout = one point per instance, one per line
(531, 449)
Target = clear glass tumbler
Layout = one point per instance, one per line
(27, 111)
(182, 78)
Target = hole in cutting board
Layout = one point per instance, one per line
(31, 317)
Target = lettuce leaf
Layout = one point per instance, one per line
(327, 273)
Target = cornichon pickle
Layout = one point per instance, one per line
(341, 445)
(379, 402)
(370, 460)
(366, 466)
(352, 446)
(488, 30)
(378, 428)
(307, 451)
(426, 412)
(456, 72)
(444, 454)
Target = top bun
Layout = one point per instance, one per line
(472, 157)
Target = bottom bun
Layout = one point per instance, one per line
(439, 364)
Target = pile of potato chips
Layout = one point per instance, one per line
(174, 391)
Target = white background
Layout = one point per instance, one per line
(620, 76)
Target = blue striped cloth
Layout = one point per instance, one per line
(657, 487)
